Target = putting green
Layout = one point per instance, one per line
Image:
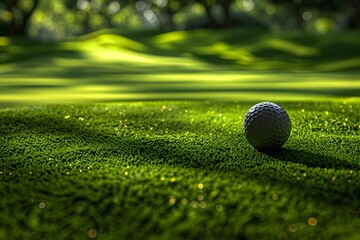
(177, 169)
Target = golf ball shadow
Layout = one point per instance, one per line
(311, 159)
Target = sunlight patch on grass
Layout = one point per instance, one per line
(171, 37)
(24, 80)
(285, 46)
(116, 42)
(340, 65)
(217, 77)
(104, 55)
(65, 96)
(107, 52)
(240, 55)
(186, 39)
(225, 51)
(264, 65)
(112, 86)
(4, 41)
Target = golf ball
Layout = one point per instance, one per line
(267, 126)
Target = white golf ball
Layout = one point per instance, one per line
(267, 126)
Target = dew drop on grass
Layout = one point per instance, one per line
(92, 233)
(172, 200)
(195, 204)
(184, 201)
(275, 197)
(219, 207)
(192, 214)
(312, 221)
(202, 205)
(42, 205)
(200, 197)
(292, 227)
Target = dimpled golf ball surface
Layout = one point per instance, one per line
(267, 126)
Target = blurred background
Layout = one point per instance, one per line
(62, 51)
(59, 19)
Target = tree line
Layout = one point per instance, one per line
(15, 15)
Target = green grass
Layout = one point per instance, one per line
(179, 170)
(139, 136)
(244, 64)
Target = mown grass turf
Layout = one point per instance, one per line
(246, 64)
(177, 170)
